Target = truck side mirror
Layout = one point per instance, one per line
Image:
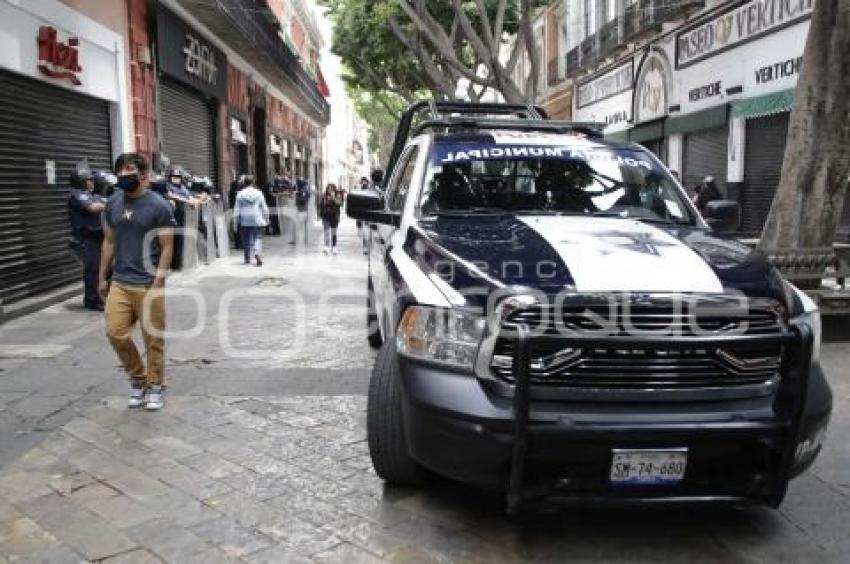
(368, 206)
(724, 216)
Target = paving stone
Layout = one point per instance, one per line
(22, 536)
(168, 541)
(138, 556)
(243, 509)
(258, 486)
(171, 446)
(308, 508)
(366, 535)
(212, 465)
(72, 524)
(94, 492)
(137, 484)
(346, 553)
(122, 511)
(59, 554)
(262, 463)
(188, 480)
(7, 510)
(182, 509)
(23, 485)
(66, 484)
(298, 534)
(36, 459)
(277, 555)
(374, 509)
(233, 539)
(94, 541)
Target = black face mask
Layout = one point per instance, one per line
(128, 182)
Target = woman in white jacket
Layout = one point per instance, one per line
(251, 216)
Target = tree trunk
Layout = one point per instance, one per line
(810, 196)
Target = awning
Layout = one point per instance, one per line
(698, 121)
(647, 131)
(765, 105)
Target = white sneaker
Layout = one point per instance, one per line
(154, 399)
(325, 250)
(137, 395)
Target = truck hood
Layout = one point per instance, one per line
(587, 255)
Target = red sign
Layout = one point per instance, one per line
(56, 59)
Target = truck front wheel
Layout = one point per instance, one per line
(384, 425)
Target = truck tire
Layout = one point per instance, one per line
(384, 426)
(373, 329)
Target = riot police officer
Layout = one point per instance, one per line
(85, 207)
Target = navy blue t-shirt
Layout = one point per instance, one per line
(83, 222)
(134, 222)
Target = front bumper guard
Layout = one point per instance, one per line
(789, 403)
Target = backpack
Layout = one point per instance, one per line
(302, 195)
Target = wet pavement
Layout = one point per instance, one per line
(260, 454)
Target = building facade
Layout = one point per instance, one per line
(215, 87)
(706, 86)
(64, 94)
(222, 90)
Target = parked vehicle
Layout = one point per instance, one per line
(557, 321)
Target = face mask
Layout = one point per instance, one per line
(128, 182)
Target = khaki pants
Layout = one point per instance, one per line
(124, 306)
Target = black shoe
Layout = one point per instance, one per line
(94, 307)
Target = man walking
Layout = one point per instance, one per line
(84, 208)
(251, 215)
(137, 250)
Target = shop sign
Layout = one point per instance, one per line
(237, 132)
(778, 71)
(737, 26)
(184, 54)
(706, 91)
(56, 59)
(605, 86)
(651, 92)
(274, 144)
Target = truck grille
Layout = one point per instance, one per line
(604, 367)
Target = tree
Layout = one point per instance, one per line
(813, 184)
(381, 112)
(405, 46)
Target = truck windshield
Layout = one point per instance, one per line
(466, 178)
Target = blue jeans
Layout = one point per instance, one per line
(252, 241)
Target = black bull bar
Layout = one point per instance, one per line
(789, 403)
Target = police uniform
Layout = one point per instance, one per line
(88, 233)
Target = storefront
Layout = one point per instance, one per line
(192, 82)
(63, 95)
(737, 75)
(607, 98)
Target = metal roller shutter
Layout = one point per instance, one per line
(763, 156)
(187, 129)
(705, 155)
(40, 123)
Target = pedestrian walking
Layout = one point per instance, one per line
(251, 215)
(84, 208)
(303, 193)
(329, 211)
(361, 231)
(137, 250)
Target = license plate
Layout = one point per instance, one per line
(647, 467)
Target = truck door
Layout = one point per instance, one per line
(383, 239)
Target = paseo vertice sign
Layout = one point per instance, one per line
(737, 25)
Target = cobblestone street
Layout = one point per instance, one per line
(260, 454)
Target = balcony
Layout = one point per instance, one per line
(637, 20)
(249, 28)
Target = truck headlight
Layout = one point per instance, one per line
(811, 317)
(447, 336)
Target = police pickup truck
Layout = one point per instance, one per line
(557, 321)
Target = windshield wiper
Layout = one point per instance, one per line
(670, 221)
(474, 211)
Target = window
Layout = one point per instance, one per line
(483, 178)
(397, 191)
